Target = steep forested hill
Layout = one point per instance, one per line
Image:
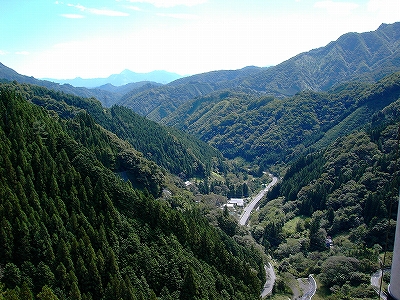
(271, 130)
(221, 78)
(160, 102)
(106, 97)
(175, 151)
(345, 195)
(367, 56)
(370, 55)
(72, 229)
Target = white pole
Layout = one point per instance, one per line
(394, 286)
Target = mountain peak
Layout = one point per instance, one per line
(125, 77)
(126, 71)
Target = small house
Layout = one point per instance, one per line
(236, 201)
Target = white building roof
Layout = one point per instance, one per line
(236, 201)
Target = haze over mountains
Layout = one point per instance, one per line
(93, 196)
(125, 77)
(225, 107)
(369, 55)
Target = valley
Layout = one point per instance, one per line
(122, 192)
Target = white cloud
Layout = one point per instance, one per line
(72, 16)
(107, 12)
(209, 42)
(180, 16)
(131, 7)
(103, 11)
(337, 8)
(3, 52)
(22, 53)
(170, 3)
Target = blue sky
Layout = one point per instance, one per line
(97, 38)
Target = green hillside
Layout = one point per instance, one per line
(269, 130)
(176, 151)
(72, 229)
(347, 191)
(161, 101)
(365, 57)
(370, 55)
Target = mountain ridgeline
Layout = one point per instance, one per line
(335, 210)
(366, 56)
(270, 130)
(93, 201)
(176, 151)
(121, 79)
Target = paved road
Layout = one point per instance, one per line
(312, 288)
(269, 284)
(269, 270)
(247, 210)
(376, 282)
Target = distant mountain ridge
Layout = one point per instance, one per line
(370, 55)
(159, 102)
(107, 94)
(106, 97)
(367, 56)
(123, 78)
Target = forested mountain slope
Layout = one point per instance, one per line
(366, 56)
(348, 193)
(270, 130)
(160, 102)
(370, 55)
(72, 229)
(221, 78)
(106, 97)
(126, 88)
(175, 151)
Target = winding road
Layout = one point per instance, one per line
(269, 270)
(311, 287)
(309, 292)
(269, 283)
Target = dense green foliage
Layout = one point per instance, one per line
(347, 191)
(176, 151)
(72, 229)
(85, 214)
(369, 55)
(268, 130)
